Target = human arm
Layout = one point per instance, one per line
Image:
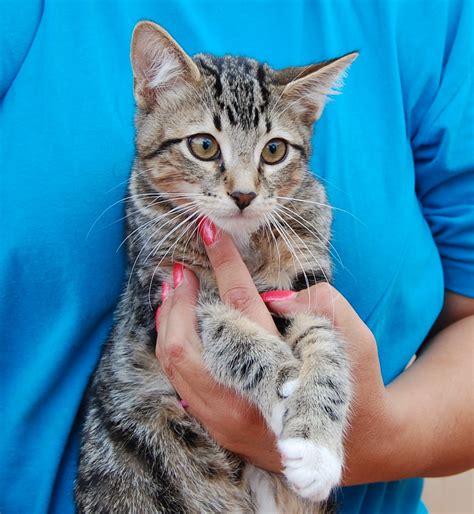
(438, 388)
(390, 437)
(422, 423)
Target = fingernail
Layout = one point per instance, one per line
(277, 296)
(178, 273)
(165, 291)
(208, 231)
(157, 316)
(184, 404)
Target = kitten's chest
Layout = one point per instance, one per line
(268, 268)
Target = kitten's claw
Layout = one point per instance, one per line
(312, 470)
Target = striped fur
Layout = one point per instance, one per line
(141, 452)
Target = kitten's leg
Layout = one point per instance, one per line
(312, 437)
(241, 355)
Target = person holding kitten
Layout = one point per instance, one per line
(396, 159)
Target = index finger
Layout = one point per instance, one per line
(236, 287)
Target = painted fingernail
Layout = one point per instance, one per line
(277, 296)
(165, 290)
(178, 273)
(208, 231)
(157, 318)
(184, 404)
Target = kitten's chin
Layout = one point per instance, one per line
(239, 227)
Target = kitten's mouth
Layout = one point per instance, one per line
(239, 223)
(237, 215)
(240, 217)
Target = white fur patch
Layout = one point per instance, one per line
(312, 470)
(288, 388)
(165, 68)
(262, 488)
(276, 420)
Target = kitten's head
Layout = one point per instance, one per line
(229, 137)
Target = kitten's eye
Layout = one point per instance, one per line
(204, 147)
(274, 151)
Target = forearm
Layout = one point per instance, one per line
(435, 405)
(429, 431)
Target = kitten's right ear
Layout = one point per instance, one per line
(159, 64)
(308, 87)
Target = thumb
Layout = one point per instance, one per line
(320, 299)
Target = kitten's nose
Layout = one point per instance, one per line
(242, 200)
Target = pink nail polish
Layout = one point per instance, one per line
(165, 290)
(277, 296)
(208, 231)
(184, 404)
(178, 273)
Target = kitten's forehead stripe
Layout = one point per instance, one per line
(217, 122)
(240, 88)
(261, 76)
(231, 116)
(256, 118)
(214, 72)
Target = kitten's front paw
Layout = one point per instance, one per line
(312, 470)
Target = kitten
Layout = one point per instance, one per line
(227, 138)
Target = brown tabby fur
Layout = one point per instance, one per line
(141, 452)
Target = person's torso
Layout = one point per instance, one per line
(68, 151)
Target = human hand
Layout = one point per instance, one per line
(373, 426)
(230, 419)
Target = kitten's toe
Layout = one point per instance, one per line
(312, 470)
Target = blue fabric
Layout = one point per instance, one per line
(393, 151)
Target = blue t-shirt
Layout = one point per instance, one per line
(394, 151)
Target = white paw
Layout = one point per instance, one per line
(288, 388)
(312, 470)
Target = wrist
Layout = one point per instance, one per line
(373, 443)
(389, 458)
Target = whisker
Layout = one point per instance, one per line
(268, 225)
(186, 228)
(308, 226)
(131, 213)
(288, 244)
(134, 196)
(322, 205)
(296, 247)
(104, 211)
(148, 240)
(211, 212)
(154, 220)
(317, 262)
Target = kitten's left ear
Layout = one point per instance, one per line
(308, 87)
(160, 65)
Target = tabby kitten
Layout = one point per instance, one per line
(226, 138)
